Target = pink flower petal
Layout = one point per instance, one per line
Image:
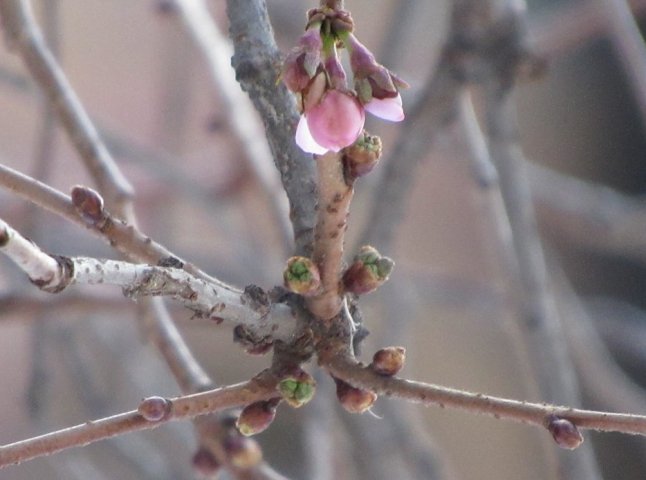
(336, 121)
(387, 108)
(305, 140)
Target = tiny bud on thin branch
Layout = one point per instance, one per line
(257, 417)
(565, 433)
(388, 361)
(154, 409)
(88, 203)
(354, 400)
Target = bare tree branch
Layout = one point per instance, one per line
(257, 64)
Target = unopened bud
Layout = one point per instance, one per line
(354, 400)
(243, 452)
(154, 409)
(205, 464)
(304, 60)
(88, 204)
(298, 388)
(565, 433)
(302, 276)
(361, 157)
(257, 417)
(369, 271)
(388, 361)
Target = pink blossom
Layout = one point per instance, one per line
(387, 108)
(332, 124)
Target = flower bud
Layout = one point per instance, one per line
(243, 452)
(88, 204)
(205, 464)
(257, 417)
(354, 400)
(335, 122)
(368, 271)
(154, 409)
(388, 361)
(298, 388)
(304, 60)
(302, 276)
(360, 158)
(565, 433)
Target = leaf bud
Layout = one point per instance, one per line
(302, 276)
(88, 204)
(257, 417)
(368, 272)
(154, 409)
(565, 433)
(298, 388)
(361, 157)
(388, 361)
(354, 400)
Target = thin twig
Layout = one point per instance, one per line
(262, 387)
(124, 237)
(23, 35)
(500, 408)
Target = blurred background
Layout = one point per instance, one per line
(81, 355)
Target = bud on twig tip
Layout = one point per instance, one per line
(565, 433)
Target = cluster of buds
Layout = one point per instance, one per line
(333, 114)
(368, 271)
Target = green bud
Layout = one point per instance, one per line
(297, 389)
(360, 158)
(369, 271)
(302, 276)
